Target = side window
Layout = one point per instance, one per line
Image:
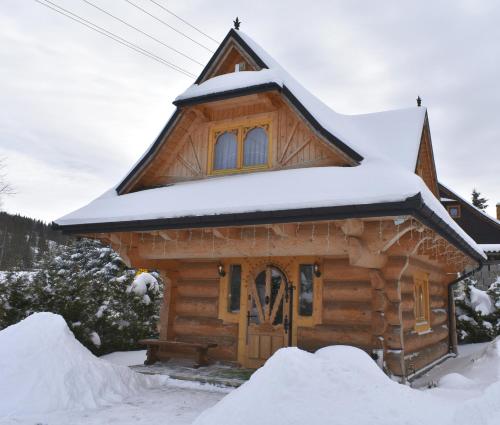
(255, 147)
(306, 288)
(454, 211)
(421, 308)
(234, 293)
(226, 151)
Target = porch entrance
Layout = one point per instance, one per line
(269, 315)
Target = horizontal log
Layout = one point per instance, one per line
(196, 307)
(393, 290)
(347, 291)
(204, 327)
(379, 300)
(408, 320)
(393, 338)
(415, 342)
(392, 314)
(324, 335)
(346, 313)
(340, 270)
(208, 288)
(438, 317)
(419, 359)
(379, 323)
(394, 267)
(195, 270)
(407, 302)
(394, 362)
(438, 289)
(437, 301)
(407, 286)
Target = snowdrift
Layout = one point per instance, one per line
(44, 368)
(337, 385)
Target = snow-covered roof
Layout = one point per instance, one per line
(393, 135)
(285, 190)
(387, 144)
(490, 247)
(462, 200)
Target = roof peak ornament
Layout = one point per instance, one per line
(419, 101)
(237, 23)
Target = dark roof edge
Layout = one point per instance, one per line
(232, 33)
(228, 94)
(259, 88)
(462, 201)
(411, 206)
(123, 184)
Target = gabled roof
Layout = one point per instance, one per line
(385, 143)
(392, 135)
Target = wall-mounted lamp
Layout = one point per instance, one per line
(316, 270)
(220, 270)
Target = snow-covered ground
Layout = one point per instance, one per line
(47, 377)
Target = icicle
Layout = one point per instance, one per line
(313, 229)
(164, 247)
(254, 235)
(297, 230)
(213, 243)
(190, 234)
(130, 244)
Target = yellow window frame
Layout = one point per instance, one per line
(422, 302)
(241, 131)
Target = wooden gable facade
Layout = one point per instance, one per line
(375, 277)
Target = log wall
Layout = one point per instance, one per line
(347, 312)
(196, 310)
(421, 349)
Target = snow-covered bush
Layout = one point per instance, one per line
(478, 312)
(106, 305)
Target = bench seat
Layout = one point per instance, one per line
(199, 349)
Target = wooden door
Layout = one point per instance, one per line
(268, 315)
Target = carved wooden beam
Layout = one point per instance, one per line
(353, 227)
(360, 256)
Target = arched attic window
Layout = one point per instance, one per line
(226, 151)
(255, 147)
(240, 148)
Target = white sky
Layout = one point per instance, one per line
(77, 109)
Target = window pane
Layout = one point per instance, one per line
(226, 151)
(306, 290)
(255, 147)
(234, 289)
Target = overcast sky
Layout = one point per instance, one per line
(78, 109)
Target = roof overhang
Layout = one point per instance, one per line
(413, 206)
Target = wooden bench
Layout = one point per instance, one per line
(153, 347)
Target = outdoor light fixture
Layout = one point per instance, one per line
(317, 271)
(220, 270)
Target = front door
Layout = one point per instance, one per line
(268, 315)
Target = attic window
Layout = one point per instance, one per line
(243, 148)
(454, 211)
(239, 67)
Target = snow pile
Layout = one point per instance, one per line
(481, 301)
(44, 368)
(337, 385)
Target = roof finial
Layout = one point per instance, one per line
(419, 101)
(237, 23)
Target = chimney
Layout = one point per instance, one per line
(498, 211)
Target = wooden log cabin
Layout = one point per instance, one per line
(278, 222)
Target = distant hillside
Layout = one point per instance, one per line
(23, 241)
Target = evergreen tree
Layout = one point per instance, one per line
(478, 201)
(105, 305)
